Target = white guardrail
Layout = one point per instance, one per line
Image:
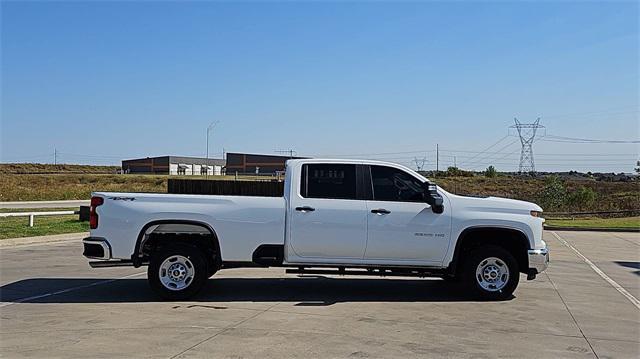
(32, 215)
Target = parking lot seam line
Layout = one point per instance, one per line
(445, 325)
(417, 322)
(625, 239)
(22, 300)
(571, 314)
(602, 274)
(231, 326)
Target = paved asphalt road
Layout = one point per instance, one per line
(55, 306)
(44, 204)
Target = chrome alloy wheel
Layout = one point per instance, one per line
(492, 274)
(176, 272)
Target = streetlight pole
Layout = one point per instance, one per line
(209, 128)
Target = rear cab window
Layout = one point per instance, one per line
(330, 181)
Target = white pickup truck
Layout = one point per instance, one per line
(348, 217)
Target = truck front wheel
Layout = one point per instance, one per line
(491, 272)
(177, 271)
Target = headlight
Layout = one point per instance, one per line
(536, 213)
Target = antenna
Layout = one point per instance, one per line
(527, 133)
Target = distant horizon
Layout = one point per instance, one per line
(632, 173)
(98, 82)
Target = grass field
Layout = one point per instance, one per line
(617, 223)
(15, 227)
(33, 168)
(40, 187)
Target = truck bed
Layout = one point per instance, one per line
(241, 223)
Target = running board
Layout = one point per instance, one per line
(370, 272)
(107, 264)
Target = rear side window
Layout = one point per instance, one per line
(336, 181)
(391, 184)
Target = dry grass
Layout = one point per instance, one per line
(610, 195)
(33, 168)
(74, 186)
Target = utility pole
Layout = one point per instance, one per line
(289, 151)
(455, 163)
(437, 158)
(527, 133)
(55, 156)
(209, 128)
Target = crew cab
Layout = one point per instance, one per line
(348, 217)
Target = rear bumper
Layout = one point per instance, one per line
(96, 248)
(538, 260)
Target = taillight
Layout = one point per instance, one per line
(93, 215)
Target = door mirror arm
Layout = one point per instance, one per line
(433, 198)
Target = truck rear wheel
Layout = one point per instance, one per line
(491, 272)
(177, 271)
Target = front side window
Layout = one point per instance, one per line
(336, 181)
(392, 184)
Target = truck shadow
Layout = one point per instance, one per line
(629, 264)
(307, 291)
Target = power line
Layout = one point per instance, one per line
(500, 152)
(486, 149)
(553, 138)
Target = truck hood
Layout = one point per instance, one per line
(493, 204)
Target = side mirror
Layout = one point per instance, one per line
(434, 198)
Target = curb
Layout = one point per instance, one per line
(585, 229)
(67, 237)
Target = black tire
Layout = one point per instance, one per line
(488, 290)
(196, 263)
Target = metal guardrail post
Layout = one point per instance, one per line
(31, 219)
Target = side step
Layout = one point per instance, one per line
(269, 255)
(370, 272)
(108, 264)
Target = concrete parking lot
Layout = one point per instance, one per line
(55, 306)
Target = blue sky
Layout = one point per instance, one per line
(101, 81)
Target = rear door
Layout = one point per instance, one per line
(328, 221)
(402, 228)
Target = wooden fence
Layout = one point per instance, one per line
(229, 188)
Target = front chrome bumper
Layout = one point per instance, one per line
(538, 260)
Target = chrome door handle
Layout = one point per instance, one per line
(380, 211)
(305, 209)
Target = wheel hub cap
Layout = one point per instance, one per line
(492, 274)
(176, 272)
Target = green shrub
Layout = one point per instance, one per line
(456, 172)
(582, 198)
(553, 195)
(490, 172)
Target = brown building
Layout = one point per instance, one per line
(246, 163)
(174, 165)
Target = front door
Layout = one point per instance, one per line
(328, 222)
(402, 228)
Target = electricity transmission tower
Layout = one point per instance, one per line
(419, 163)
(527, 133)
